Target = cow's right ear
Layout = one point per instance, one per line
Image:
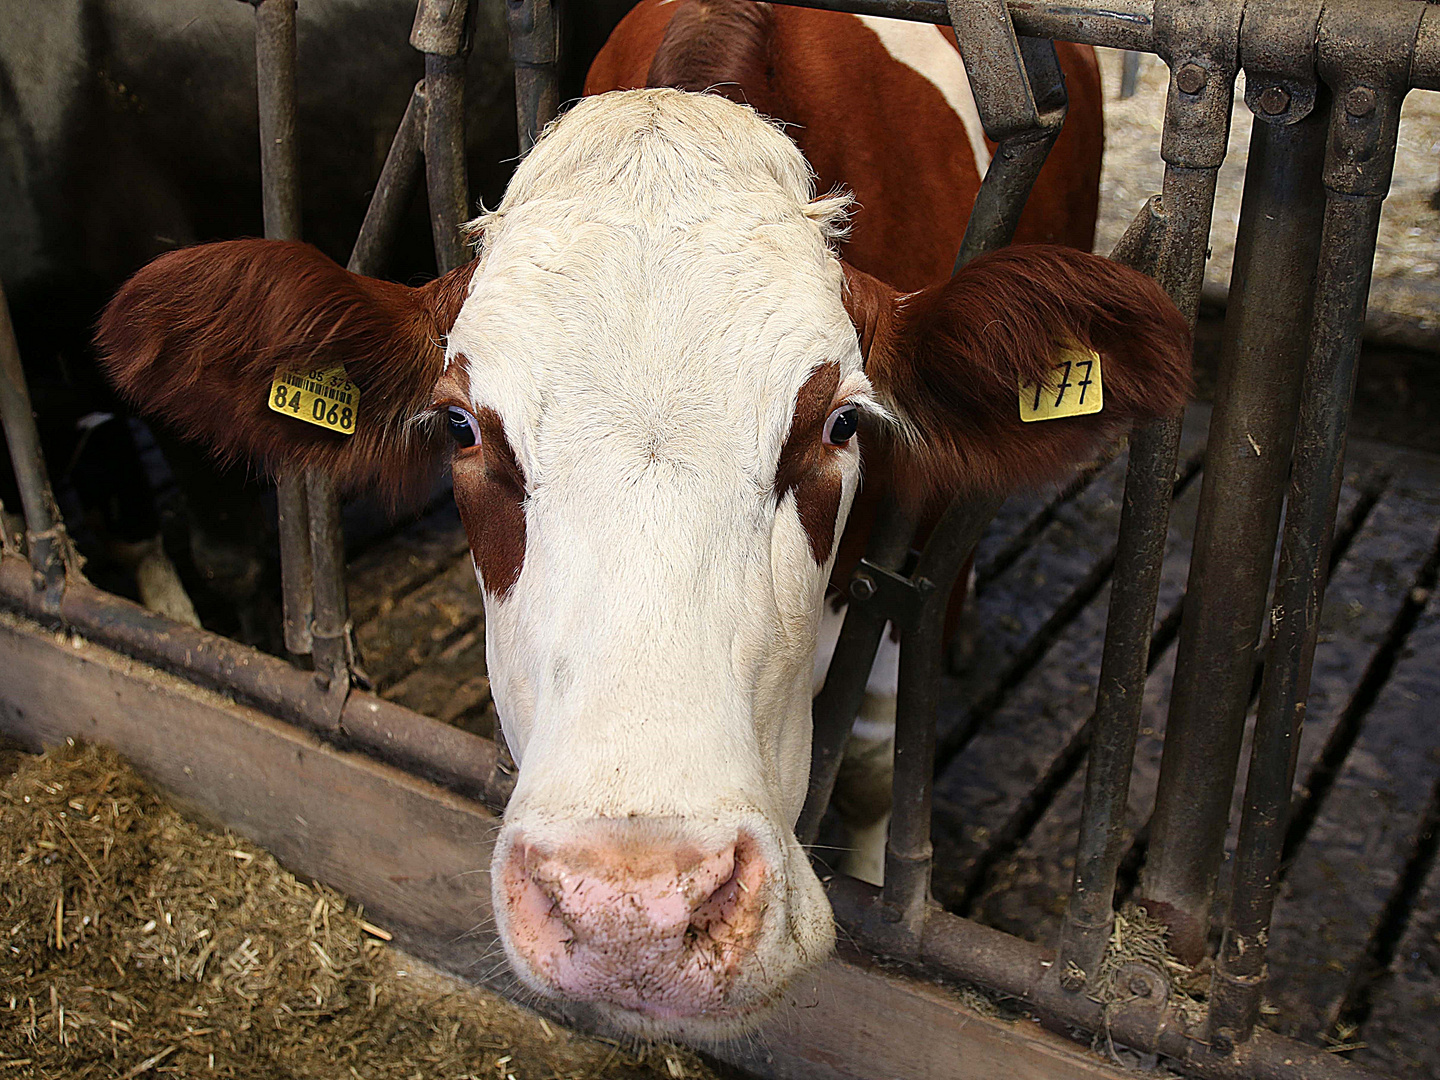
(198, 336)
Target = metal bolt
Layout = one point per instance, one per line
(1140, 985)
(1274, 100)
(862, 587)
(1360, 101)
(1223, 1041)
(1191, 78)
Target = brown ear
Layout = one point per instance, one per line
(197, 336)
(949, 360)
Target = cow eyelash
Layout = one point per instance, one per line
(464, 429)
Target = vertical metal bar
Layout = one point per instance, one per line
(1134, 590)
(330, 627)
(1130, 73)
(445, 171)
(1267, 326)
(279, 175)
(442, 32)
(908, 852)
(1360, 155)
(44, 531)
(393, 191)
(535, 48)
(838, 703)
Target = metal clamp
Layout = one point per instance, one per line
(893, 596)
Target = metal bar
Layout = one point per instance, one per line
(330, 631)
(1019, 970)
(838, 703)
(1262, 356)
(908, 851)
(393, 191)
(44, 531)
(465, 762)
(1130, 73)
(445, 172)
(535, 48)
(1360, 154)
(280, 184)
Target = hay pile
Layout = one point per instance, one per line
(135, 943)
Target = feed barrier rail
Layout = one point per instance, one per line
(1325, 82)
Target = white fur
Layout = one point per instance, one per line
(653, 290)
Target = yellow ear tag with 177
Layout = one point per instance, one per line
(1074, 387)
(327, 398)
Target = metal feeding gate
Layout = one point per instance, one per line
(1325, 82)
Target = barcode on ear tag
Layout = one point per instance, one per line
(1074, 388)
(327, 399)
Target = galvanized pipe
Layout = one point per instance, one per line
(44, 532)
(393, 190)
(1262, 355)
(535, 49)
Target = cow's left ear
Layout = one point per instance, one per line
(950, 359)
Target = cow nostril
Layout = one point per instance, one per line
(721, 913)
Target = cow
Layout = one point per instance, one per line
(654, 382)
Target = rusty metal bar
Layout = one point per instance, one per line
(1360, 154)
(332, 643)
(45, 536)
(535, 48)
(442, 32)
(464, 762)
(393, 191)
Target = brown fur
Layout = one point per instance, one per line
(807, 466)
(719, 45)
(950, 359)
(196, 337)
(490, 494)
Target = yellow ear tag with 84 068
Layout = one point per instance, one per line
(327, 398)
(1074, 387)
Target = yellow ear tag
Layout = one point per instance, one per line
(327, 399)
(1074, 387)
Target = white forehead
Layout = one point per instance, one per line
(659, 268)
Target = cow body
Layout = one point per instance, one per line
(658, 375)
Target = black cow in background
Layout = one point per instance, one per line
(128, 128)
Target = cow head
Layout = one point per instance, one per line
(652, 375)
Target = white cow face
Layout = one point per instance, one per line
(655, 333)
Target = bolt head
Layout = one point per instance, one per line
(1140, 985)
(1274, 100)
(862, 587)
(1360, 101)
(1191, 78)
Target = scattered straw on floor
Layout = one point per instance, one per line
(135, 943)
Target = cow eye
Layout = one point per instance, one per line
(463, 427)
(840, 425)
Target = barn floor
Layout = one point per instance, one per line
(1356, 940)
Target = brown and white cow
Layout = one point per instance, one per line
(653, 374)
